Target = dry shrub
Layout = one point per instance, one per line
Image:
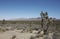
(32, 37)
(2, 30)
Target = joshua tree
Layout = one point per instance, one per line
(45, 21)
(3, 22)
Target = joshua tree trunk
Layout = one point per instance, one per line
(42, 23)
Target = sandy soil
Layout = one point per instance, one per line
(9, 34)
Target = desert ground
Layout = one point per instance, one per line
(19, 35)
(9, 34)
(25, 35)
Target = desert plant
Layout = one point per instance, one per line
(32, 37)
(45, 21)
(3, 22)
(13, 37)
(2, 30)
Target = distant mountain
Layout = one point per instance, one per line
(25, 19)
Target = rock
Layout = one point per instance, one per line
(41, 33)
(35, 31)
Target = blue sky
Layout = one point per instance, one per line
(28, 8)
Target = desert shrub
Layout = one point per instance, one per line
(14, 36)
(7, 29)
(18, 28)
(35, 29)
(32, 37)
(2, 30)
(37, 36)
(30, 30)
